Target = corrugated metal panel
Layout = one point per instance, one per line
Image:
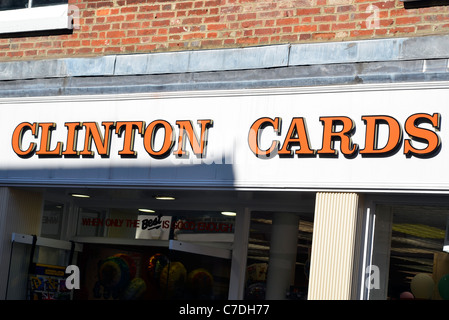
(333, 246)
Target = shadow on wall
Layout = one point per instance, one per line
(206, 175)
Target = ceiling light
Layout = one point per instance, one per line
(229, 213)
(147, 210)
(79, 195)
(164, 198)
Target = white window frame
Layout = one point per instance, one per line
(54, 17)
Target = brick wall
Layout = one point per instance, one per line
(131, 26)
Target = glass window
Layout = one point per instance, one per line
(13, 4)
(43, 3)
(410, 253)
(268, 276)
(52, 220)
(149, 266)
(22, 4)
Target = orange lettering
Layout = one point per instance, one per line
(44, 150)
(17, 138)
(149, 137)
(72, 139)
(198, 145)
(297, 135)
(371, 138)
(103, 145)
(127, 127)
(422, 135)
(254, 136)
(344, 136)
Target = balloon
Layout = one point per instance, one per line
(113, 272)
(130, 262)
(201, 282)
(173, 277)
(156, 264)
(443, 287)
(135, 290)
(406, 296)
(422, 286)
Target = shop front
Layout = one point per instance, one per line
(283, 192)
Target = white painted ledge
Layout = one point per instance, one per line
(35, 19)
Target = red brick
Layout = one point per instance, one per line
(325, 18)
(198, 12)
(160, 38)
(247, 40)
(149, 8)
(305, 28)
(116, 34)
(75, 43)
(216, 26)
(101, 27)
(287, 21)
(159, 25)
(265, 31)
(130, 40)
(408, 20)
(323, 36)
(102, 12)
(183, 5)
(362, 33)
(115, 18)
(307, 11)
(343, 26)
(196, 35)
(128, 9)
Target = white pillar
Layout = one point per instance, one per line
(283, 250)
(239, 253)
(334, 247)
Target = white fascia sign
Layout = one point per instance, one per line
(359, 137)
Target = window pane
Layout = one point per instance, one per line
(410, 253)
(153, 270)
(42, 3)
(13, 4)
(286, 279)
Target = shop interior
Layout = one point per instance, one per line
(419, 254)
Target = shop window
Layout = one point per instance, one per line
(410, 253)
(132, 255)
(274, 239)
(35, 15)
(52, 218)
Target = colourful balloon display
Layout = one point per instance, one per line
(156, 264)
(422, 286)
